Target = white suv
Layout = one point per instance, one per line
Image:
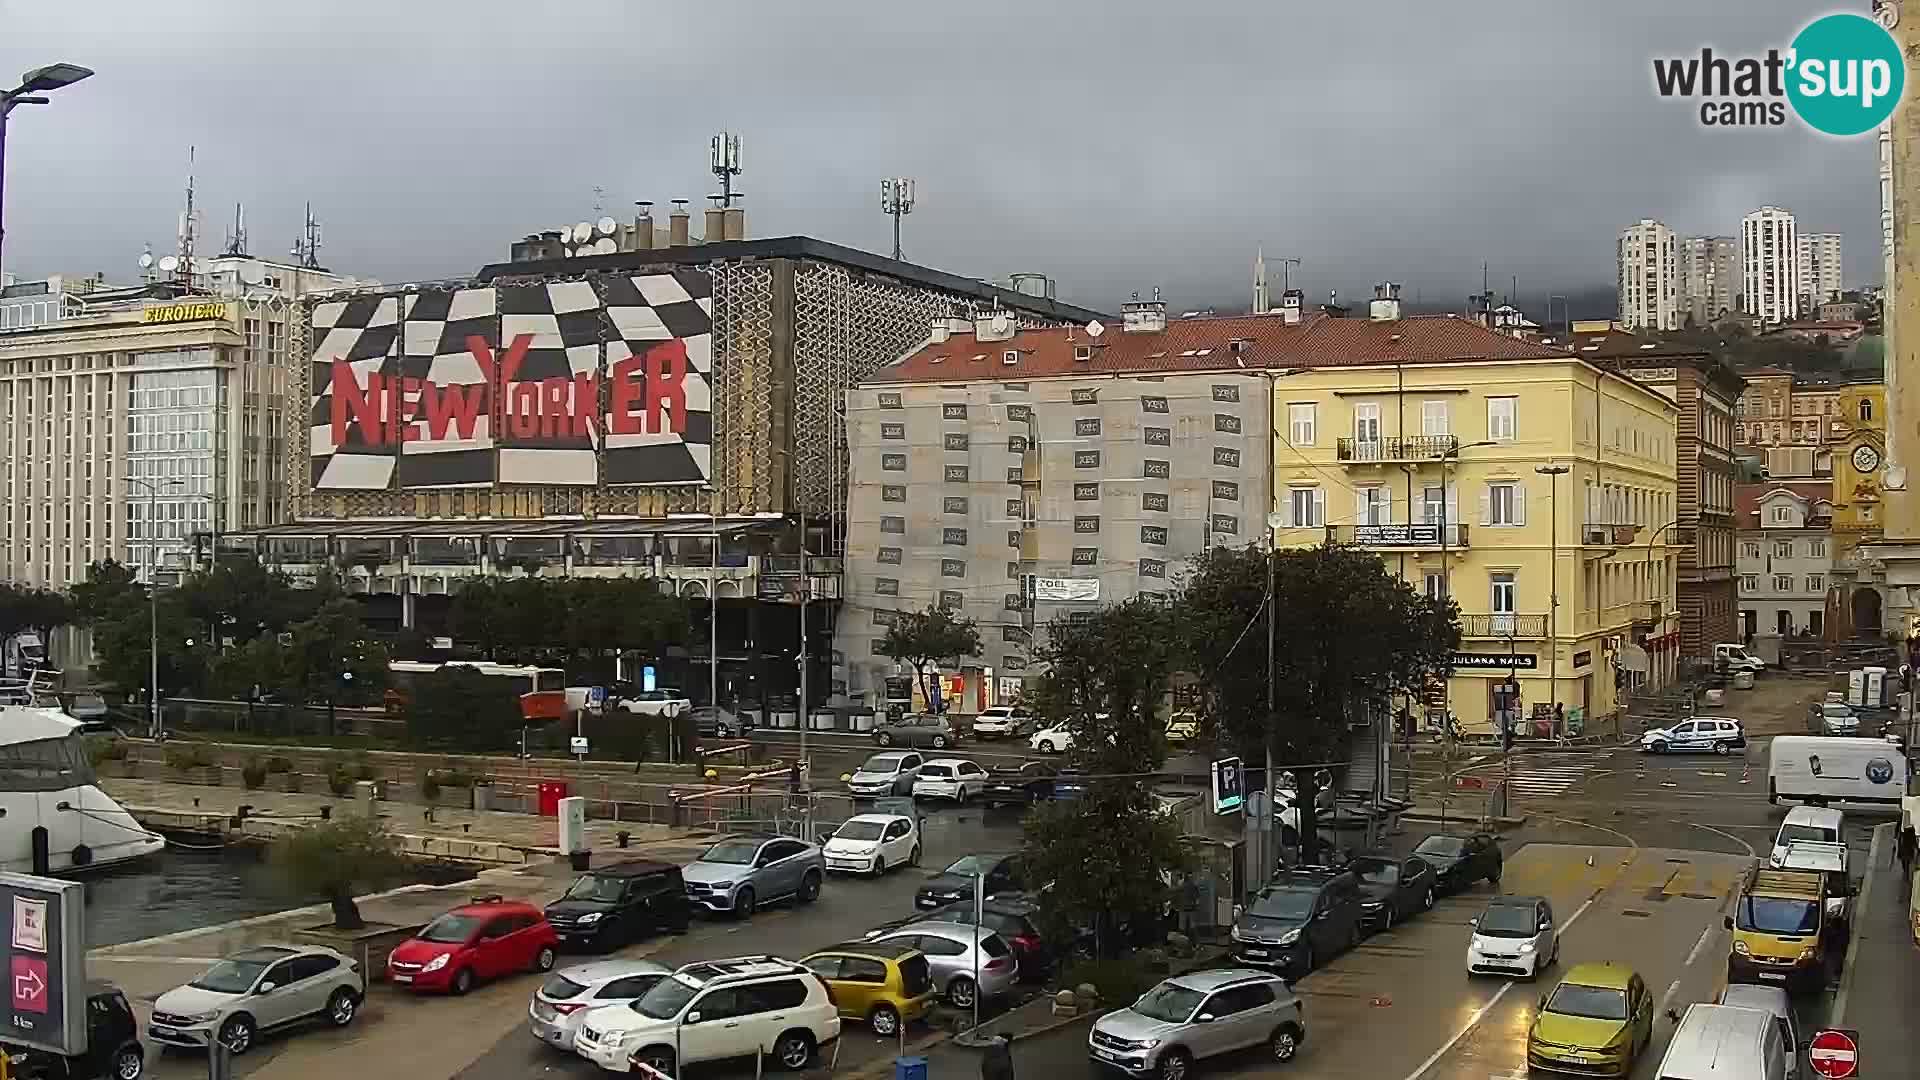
(711, 1011)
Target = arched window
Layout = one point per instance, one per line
(1866, 409)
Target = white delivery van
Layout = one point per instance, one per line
(1808, 823)
(1730, 656)
(1821, 771)
(1725, 1042)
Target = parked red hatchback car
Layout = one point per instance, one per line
(486, 939)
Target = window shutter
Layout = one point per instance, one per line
(1453, 504)
(1360, 506)
(1486, 506)
(1389, 507)
(1520, 503)
(1319, 506)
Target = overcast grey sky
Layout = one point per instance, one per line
(1114, 144)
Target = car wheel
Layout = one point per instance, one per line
(1387, 924)
(810, 887)
(1721, 748)
(913, 857)
(659, 1059)
(793, 1050)
(463, 980)
(1494, 878)
(1285, 1042)
(1174, 1064)
(743, 901)
(961, 992)
(884, 1020)
(342, 1007)
(237, 1034)
(543, 960)
(1658, 747)
(1353, 935)
(884, 739)
(879, 865)
(1427, 901)
(1306, 959)
(129, 1063)
(1045, 746)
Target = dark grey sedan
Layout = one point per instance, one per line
(918, 729)
(1391, 890)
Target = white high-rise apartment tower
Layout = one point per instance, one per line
(1649, 278)
(1770, 265)
(1819, 255)
(1709, 277)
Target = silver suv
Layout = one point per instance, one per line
(742, 872)
(1196, 1016)
(263, 988)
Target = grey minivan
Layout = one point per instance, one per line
(740, 873)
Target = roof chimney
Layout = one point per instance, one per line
(716, 222)
(643, 226)
(1144, 316)
(1292, 303)
(1386, 302)
(993, 326)
(736, 223)
(677, 224)
(941, 331)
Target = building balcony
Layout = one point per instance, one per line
(1398, 537)
(1604, 534)
(1395, 448)
(1503, 627)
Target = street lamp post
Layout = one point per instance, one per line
(32, 85)
(1452, 453)
(154, 729)
(1553, 473)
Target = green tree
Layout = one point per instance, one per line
(1350, 634)
(1107, 681)
(32, 609)
(240, 598)
(478, 616)
(333, 859)
(921, 639)
(121, 646)
(332, 657)
(457, 708)
(109, 590)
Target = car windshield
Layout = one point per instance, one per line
(972, 864)
(1593, 1002)
(1283, 903)
(450, 929)
(665, 999)
(594, 887)
(1507, 920)
(1447, 847)
(733, 852)
(1803, 832)
(230, 976)
(560, 988)
(859, 830)
(1778, 915)
(882, 763)
(1376, 871)
(1168, 1003)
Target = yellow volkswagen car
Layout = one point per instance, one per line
(1594, 1023)
(884, 984)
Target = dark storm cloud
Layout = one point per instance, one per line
(1117, 146)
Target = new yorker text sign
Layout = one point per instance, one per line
(46, 963)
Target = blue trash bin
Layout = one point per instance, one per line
(910, 1068)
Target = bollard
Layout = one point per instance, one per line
(622, 837)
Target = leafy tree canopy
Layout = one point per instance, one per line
(333, 859)
(459, 708)
(922, 638)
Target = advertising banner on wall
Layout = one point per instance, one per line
(602, 382)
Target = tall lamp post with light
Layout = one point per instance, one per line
(33, 85)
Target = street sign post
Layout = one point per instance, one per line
(46, 963)
(1835, 1054)
(1229, 786)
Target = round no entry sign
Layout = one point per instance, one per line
(1834, 1054)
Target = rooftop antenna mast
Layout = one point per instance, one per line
(726, 166)
(189, 225)
(237, 238)
(896, 200)
(306, 247)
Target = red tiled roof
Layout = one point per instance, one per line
(1746, 497)
(1208, 344)
(1616, 344)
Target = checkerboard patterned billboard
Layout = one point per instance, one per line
(584, 383)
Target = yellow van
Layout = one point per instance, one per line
(1779, 926)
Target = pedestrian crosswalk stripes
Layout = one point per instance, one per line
(1534, 777)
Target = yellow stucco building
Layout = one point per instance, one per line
(1438, 467)
(1857, 432)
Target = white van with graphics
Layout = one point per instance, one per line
(1820, 771)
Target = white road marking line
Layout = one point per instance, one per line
(1705, 934)
(1481, 1013)
(1751, 854)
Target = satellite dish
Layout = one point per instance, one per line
(1896, 478)
(582, 232)
(605, 246)
(146, 259)
(606, 225)
(569, 253)
(169, 264)
(1276, 520)
(253, 273)
(1095, 329)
